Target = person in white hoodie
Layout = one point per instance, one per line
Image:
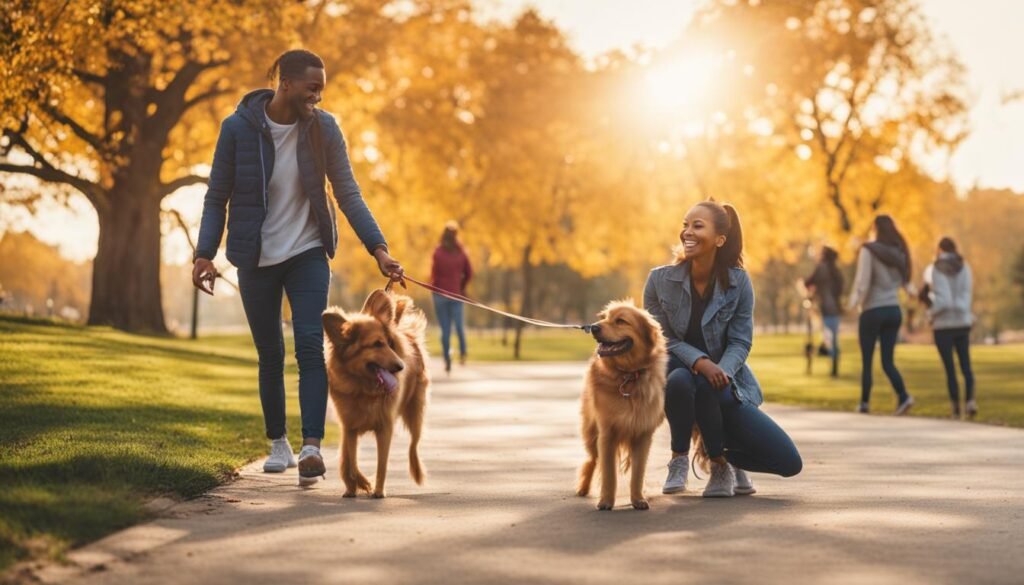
(947, 293)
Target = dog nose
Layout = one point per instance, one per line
(595, 329)
(398, 368)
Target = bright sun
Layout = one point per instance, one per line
(682, 83)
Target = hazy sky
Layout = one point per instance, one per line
(984, 32)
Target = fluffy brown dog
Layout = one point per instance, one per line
(376, 373)
(623, 400)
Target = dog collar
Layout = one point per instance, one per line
(627, 379)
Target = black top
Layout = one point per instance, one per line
(826, 289)
(698, 304)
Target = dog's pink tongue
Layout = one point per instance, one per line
(387, 380)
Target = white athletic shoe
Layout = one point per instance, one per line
(722, 483)
(281, 456)
(311, 465)
(678, 470)
(744, 485)
(904, 407)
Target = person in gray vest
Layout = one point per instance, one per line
(948, 282)
(267, 183)
(883, 268)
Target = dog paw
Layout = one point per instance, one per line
(378, 495)
(582, 493)
(349, 494)
(605, 504)
(641, 504)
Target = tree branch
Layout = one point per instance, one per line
(52, 175)
(88, 77)
(207, 95)
(168, 188)
(186, 76)
(91, 139)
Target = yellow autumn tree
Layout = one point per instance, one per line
(93, 95)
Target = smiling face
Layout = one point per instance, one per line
(699, 237)
(303, 92)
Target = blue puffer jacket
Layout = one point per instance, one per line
(242, 164)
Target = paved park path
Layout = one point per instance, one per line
(880, 500)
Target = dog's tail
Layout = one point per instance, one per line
(416, 470)
(624, 459)
(700, 454)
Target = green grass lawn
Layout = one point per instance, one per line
(96, 422)
(779, 364)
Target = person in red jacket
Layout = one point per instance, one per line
(451, 272)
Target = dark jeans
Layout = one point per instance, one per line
(304, 278)
(449, 312)
(881, 324)
(831, 323)
(960, 339)
(749, 439)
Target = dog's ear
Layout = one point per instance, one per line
(401, 303)
(336, 326)
(380, 306)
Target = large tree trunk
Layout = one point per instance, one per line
(126, 271)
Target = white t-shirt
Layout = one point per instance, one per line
(289, 228)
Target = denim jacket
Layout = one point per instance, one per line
(242, 164)
(728, 323)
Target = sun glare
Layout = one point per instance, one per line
(680, 84)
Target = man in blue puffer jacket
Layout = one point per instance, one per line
(267, 181)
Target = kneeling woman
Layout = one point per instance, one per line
(705, 304)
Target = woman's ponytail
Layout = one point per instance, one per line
(730, 255)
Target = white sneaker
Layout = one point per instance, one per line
(744, 485)
(281, 456)
(722, 483)
(678, 470)
(311, 465)
(904, 407)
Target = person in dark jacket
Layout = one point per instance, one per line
(267, 184)
(450, 271)
(826, 282)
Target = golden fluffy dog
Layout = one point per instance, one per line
(623, 400)
(376, 373)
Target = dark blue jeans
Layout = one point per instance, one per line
(747, 437)
(304, 278)
(831, 324)
(946, 340)
(449, 313)
(881, 325)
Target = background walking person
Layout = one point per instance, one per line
(947, 293)
(826, 283)
(450, 271)
(883, 267)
